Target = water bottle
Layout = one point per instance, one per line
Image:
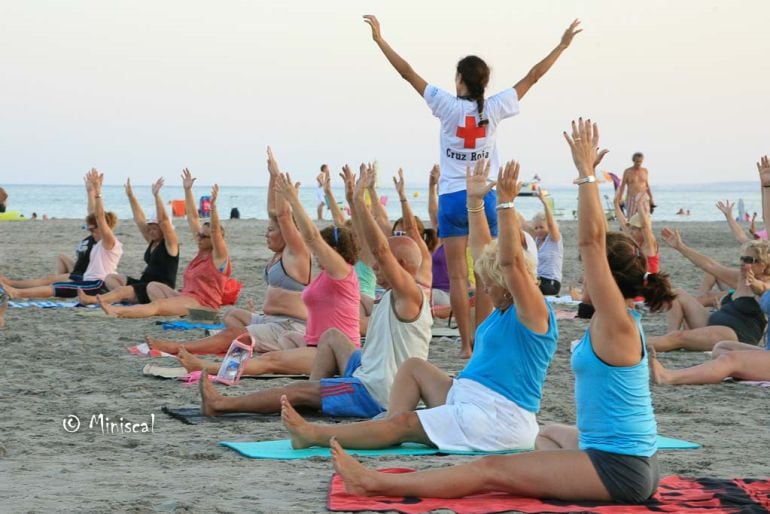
(235, 360)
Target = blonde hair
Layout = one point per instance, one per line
(762, 248)
(488, 265)
(540, 216)
(109, 216)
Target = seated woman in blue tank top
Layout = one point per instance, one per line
(611, 454)
(492, 403)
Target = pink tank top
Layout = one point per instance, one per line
(204, 282)
(332, 304)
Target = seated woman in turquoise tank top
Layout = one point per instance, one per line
(502, 384)
(600, 460)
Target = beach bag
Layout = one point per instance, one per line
(231, 291)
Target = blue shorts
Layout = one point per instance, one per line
(453, 213)
(346, 396)
(70, 289)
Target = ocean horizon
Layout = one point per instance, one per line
(69, 201)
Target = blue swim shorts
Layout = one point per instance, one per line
(453, 213)
(346, 396)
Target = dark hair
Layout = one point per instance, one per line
(637, 154)
(430, 236)
(474, 73)
(343, 242)
(323, 166)
(629, 269)
(221, 228)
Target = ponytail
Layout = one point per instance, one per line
(475, 75)
(656, 290)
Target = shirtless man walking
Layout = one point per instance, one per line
(635, 178)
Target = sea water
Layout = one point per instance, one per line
(69, 201)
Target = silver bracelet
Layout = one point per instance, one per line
(505, 205)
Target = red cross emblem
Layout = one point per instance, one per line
(470, 132)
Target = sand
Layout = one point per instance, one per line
(59, 363)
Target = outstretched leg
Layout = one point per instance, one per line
(176, 306)
(32, 292)
(306, 393)
(366, 434)
(562, 475)
(125, 294)
(218, 343)
(739, 365)
(697, 339)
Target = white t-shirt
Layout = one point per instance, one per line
(103, 262)
(389, 342)
(463, 142)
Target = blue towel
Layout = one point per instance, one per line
(282, 450)
(43, 304)
(187, 325)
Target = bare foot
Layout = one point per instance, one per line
(107, 307)
(162, 345)
(359, 480)
(85, 299)
(3, 308)
(658, 374)
(11, 292)
(190, 361)
(210, 397)
(301, 432)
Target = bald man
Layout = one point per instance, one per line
(399, 329)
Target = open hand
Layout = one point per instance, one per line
(187, 179)
(726, 207)
(584, 144)
(95, 179)
(214, 194)
(672, 238)
(126, 186)
(399, 183)
(364, 177)
(157, 185)
(477, 182)
(508, 185)
(284, 187)
(349, 178)
(272, 164)
(374, 23)
(435, 173)
(570, 33)
(763, 167)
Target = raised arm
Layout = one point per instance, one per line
(615, 338)
(543, 66)
(191, 210)
(108, 238)
(727, 209)
(673, 239)
(425, 275)
(136, 211)
(90, 195)
(218, 244)
(329, 259)
(435, 173)
(365, 253)
(650, 245)
(407, 293)
(622, 220)
(477, 186)
(402, 67)
(378, 210)
(295, 245)
(164, 222)
(337, 215)
(763, 167)
(553, 227)
(529, 301)
(621, 188)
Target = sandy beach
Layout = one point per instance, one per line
(65, 362)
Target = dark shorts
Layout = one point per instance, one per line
(140, 289)
(549, 286)
(70, 289)
(76, 277)
(346, 396)
(453, 213)
(628, 479)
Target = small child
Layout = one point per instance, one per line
(550, 248)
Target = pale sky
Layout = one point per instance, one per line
(144, 88)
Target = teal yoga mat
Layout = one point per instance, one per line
(282, 450)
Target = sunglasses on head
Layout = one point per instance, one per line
(748, 259)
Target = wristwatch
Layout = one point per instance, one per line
(585, 180)
(504, 205)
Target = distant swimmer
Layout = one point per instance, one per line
(636, 180)
(680, 212)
